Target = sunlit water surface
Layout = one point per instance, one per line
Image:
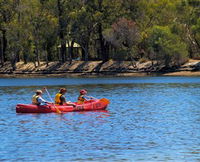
(149, 119)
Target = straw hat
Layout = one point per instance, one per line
(38, 91)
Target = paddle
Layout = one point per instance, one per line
(104, 100)
(90, 97)
(57, 110)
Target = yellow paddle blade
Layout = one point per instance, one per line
(105, 100)
(58, 111)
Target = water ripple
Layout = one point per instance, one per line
(149, 119)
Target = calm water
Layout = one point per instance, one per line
(149, 119)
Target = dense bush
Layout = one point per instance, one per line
(166, 47)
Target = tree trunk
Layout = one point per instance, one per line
(4, 46)
(107, 51)
(104, 55)
(14, 60)
(1, 52)
(18, 34)
(85, 49)
(37, 56)
(34, 62)
(46, 55)
(101, 40)
(86, 58)
(61, 32)
(50, 56)
(25, 57)
(63, 50)
(83, 54)
(70, 51)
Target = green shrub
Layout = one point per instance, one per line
(166, 47)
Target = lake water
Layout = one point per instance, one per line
(149, 119)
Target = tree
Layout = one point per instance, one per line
(44, 30)
(125, 35)
(107, 12)
(31, 30)
(165, 47)
(64, 9)
(7, 9)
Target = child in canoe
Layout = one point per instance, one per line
(82, 97)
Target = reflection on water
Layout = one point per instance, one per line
(149, 119)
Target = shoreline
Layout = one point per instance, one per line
(62, 75)
(97, 69)
(107, 74)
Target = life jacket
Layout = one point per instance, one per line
(81, 99)
(57, 99)
(34, 100)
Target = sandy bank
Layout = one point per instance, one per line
(97, 68)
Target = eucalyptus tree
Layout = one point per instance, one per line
(44, 30)
(108, 12)
(32, 30)
(166, 47)
(22, 30)
(125, 36)
(7, 9)
(50, 30)
(103, 14)
(195, 26)
(87, 22)
(13, 48)
(83, 28)
(63, 11)
(162, 16)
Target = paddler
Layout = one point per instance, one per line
(60, 98)
(37, 98)
(82, 97)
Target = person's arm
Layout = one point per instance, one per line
(89, 97)
(85, 97)
(63, 100)
(41, 100)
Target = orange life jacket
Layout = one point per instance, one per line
(81, 99)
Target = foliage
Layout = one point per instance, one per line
(165, 46)
(164, 30)
(124, 34)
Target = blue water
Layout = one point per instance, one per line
(149, 119)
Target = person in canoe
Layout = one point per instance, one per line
(82, 97)
(37, 98)
(60, 98)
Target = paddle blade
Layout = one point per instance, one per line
(58, 111)
(105, 100)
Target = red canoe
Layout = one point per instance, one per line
(90, 105)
